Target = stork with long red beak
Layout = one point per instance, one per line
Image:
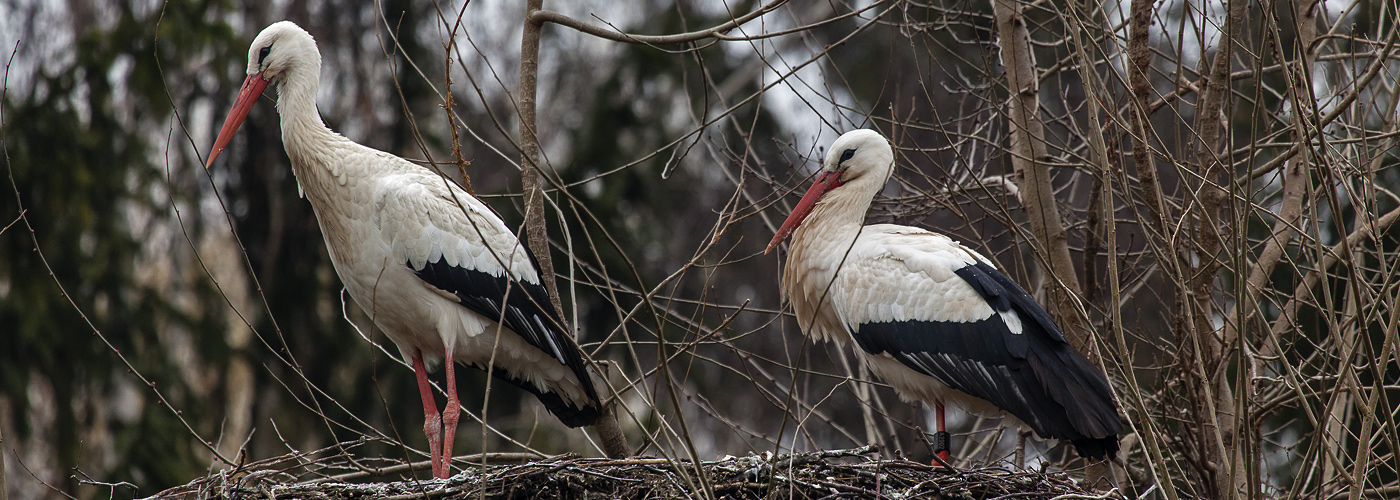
(931, 317)
(430, 264)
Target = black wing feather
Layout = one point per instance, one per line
(1034, 375)
(525, 309)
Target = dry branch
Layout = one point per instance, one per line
(539, 17)
(825, 474)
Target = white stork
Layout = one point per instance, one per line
(431, 265)
(932, 317)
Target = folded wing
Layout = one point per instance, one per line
(454, 243)
(944, 311)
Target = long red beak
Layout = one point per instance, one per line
(826, 181)
(247, 95)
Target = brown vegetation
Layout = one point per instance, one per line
(1204, 192)
(826, 475)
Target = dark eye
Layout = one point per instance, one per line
(846, 155)
(262, 54)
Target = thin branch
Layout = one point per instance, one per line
(538, 17)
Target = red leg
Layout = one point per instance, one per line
(432, 423)
(940, 437)
(449, 415)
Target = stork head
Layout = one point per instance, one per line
(861, 156)
(281, 49)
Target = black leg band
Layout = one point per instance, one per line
(941, 440)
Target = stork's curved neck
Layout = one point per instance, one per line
(841, 212)
(296, 103)
(312, 147)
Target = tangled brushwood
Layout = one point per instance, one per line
(853, 473)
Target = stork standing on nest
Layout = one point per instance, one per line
(430, 264)
(933, 318)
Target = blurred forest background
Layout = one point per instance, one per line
(1202, 193)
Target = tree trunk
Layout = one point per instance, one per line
(537, 234)
(4, 485)
(1140, 64)
(613, 441)
(1027, 150)
(1213, 218)
(1295, 188)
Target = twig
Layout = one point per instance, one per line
(537, 17)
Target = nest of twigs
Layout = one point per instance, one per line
(855, 473)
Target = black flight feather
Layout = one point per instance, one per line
(1034, 375)
(525, 309)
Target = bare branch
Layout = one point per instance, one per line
(539, 17)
